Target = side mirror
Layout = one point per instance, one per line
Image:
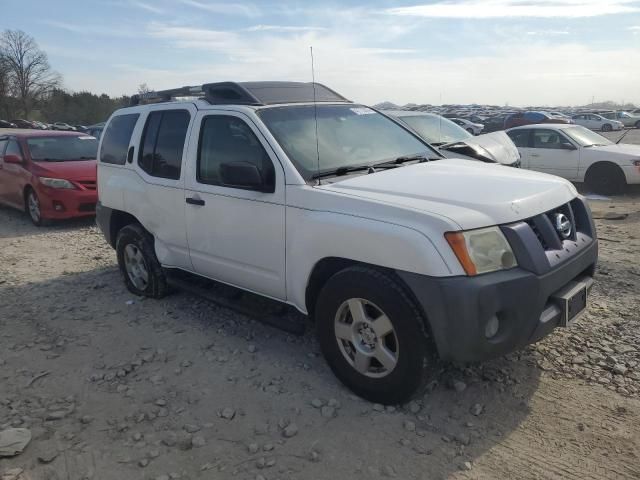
(568, 146)
(12, 159)
(243, 175)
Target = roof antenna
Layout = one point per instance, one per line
(315, 113)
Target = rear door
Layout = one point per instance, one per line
(11, 175)
(157, 159)
(552, 152)
(3, 180)
(521, 137)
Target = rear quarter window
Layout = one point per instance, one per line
(117, 137)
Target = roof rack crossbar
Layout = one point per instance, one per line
(166, 95)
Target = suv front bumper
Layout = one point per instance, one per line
(459, 308)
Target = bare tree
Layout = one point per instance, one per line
(29, 73)
(144, 88)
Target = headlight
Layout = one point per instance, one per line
(56, 182)
(482, 251)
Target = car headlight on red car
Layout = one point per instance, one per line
(56, 183)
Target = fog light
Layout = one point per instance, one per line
(57, 206)
(492, 326)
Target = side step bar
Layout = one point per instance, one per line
(264, 310)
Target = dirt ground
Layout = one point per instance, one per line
(113, 386)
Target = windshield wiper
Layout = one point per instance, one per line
(420, 157)
(338, 172)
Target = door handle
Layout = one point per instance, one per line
(195, 201)
(535, 155)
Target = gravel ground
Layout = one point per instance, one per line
(113, 386)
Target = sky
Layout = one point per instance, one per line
(516, 52)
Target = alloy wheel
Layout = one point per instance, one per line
(136, 267)
(366, 337)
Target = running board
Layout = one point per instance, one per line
(261, 309)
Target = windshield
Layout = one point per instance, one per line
(585, 137)
(435, 129)
(348, 136)
(62, 149)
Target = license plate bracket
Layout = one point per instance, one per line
(572, 300)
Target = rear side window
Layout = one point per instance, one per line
(519, 137)
(225, 139)
(13, 149)
(117, 137)
(163, 142)
(3, 143)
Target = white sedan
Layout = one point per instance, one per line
(472, 128)
(578, 154)
(593, 121)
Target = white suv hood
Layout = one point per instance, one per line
(469, 193)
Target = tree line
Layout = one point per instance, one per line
(31, 89)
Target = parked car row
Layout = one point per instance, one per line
(60, 126)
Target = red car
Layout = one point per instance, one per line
(48, 174)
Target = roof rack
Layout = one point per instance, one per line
(246, 93)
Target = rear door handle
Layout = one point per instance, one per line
(194, 201)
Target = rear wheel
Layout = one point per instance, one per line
(138, 263)
(373, 336)
(605, 178)
(607, 128)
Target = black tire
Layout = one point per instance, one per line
(416, 358)
(638, 124)
(34, 215)
(139, 239)
(606, 179)
(607, 128)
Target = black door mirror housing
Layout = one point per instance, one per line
(568, 146)
(243, 175)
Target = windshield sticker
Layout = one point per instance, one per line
(362, 111)
(86, 138)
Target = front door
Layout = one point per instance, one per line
(236, 234)
(552, 152)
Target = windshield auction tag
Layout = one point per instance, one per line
(362, 111)
(87, 138)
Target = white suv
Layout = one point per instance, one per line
(290, 191)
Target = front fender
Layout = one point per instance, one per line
(315, 235)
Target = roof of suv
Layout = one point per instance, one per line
(247, 93)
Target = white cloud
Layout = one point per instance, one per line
(92, 29)
(547, 33)
(242, 9)
(283, 28)
(482, 9)
(148, 7)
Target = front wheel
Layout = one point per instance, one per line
(138, 263)
(33, 208)
(607, 128)
(373, 336)
(605, 178)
